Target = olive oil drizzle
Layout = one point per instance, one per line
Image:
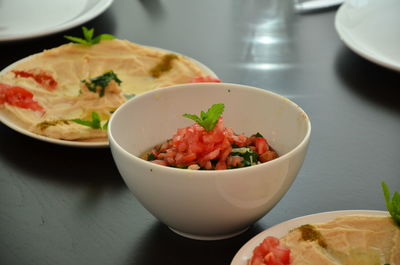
(164, 66)
(309, 233)
(45, 124)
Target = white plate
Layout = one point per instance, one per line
(280, 230)
(22, 19)
(5, 119)
(370, 28)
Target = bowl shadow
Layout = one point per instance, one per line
(172, 248)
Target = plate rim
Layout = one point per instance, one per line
(83, 144)
(96, 9)
(278, 230)
(362, 50)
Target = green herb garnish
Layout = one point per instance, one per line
(259, 135)
(88, 37)
(151, 157)
(95, 123)
(105, 126)
(101, 82)
(392, 204)
(249, 156)
(208, 120)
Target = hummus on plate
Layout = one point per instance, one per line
(346, 240)
(56, 92)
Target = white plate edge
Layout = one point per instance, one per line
(361, 50)
(96, 10)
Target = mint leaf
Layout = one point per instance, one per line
(193, 117)
(95, 120)
(95, 123)
(208, 119)
(76, 40)
(105, 126)
(102, 37)
(392, 204)
(87, 33)
(83, 122)
(203, 115)
(88, 37)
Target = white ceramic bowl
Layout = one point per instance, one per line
(206, 204)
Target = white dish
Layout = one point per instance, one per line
(280, 230)
(310, 5)
(369, 28)
(25, 19)
(6, 119)
(208, 204)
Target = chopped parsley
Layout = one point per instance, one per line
(101, 82)
(151, 157)
(259, 135)
(310, 233)
(95, 123)
(249, 156)
(88, 37)
(392, 204)
(208, 119)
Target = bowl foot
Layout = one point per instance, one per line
(200, 237)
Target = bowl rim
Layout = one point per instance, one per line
(303, 142)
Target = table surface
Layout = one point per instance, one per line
(63, 205)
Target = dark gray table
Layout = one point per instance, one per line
(61, 205)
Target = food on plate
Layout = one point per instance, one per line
(88, 37)
(208, 144)
(205, 79)
(345, 240)
(392, 204)
(359, 240)
(270, 252)
(61, 92)
(18, 97)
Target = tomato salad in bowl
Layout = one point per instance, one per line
(209, 204)
(209, 145)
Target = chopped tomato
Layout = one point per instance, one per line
(261, 145)
(217, 149)
(194, 147)
(267, 156)
(205, 79)
(270, 252)
(19, 97)
(3, 87)
(41, 77)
